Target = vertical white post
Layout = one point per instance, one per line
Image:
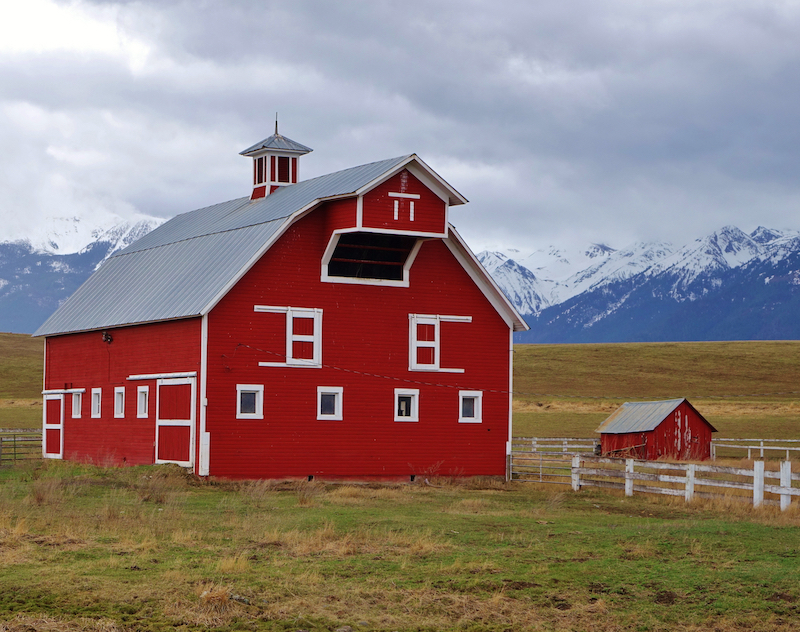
(564, 446)
(713, 451)
(786, 483)
(758, 483)
(629, 477)
(576, 475)
(748, 453)
(761, 451)
(690, 472)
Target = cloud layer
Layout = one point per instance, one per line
(594, 120)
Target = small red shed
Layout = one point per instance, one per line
(652, 430)
(335, 327)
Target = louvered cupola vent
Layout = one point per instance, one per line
(274, 163)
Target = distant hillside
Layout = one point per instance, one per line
(21, 359)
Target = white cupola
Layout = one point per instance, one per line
(274, 163)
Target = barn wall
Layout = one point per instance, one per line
(83, 360)
(365, 329)
(429, 210)
(682, 435)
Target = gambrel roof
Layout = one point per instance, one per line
(184, 267)
(642, 416)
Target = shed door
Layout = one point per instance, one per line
(53, 427)
(175, 404)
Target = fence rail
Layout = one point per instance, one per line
(731, 448)
(19, 445)
(689, 480)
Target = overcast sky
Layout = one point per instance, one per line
(562, 122)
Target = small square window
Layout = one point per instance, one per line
(77, 401)
(249, 401)
(119, 402)
(142, 401)
(97, 398)
(470, 408)
(406, 404)
(329, 402)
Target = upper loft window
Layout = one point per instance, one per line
(370, 256)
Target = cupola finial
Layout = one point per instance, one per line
(276, 124)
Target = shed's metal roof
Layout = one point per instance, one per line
(180, 269)
(638, 416)
(279, 143)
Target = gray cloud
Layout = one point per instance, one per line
(587, 121)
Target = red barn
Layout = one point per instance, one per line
(337, 327)
(652, 430)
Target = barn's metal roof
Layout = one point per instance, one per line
(638, 416)
(180, 269)
(279, 143)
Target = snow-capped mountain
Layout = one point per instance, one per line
(41, 271)
(656, 292)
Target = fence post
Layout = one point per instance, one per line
(690, 472)
(713, 451)
(761, 451)
(564, 446)
(628, 477)
(786, 483)
(758, 483)
(576, 475)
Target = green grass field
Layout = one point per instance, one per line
(150, 548)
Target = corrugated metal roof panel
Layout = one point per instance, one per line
(638, 416)
(161, 283)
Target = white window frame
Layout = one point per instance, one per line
(142, 395)
(478, 416)
(77, 402)
(413, 344)
(258, 389)
(338, 391)
(119, 402)
(414, 393)
(315, 361)
(97, 403)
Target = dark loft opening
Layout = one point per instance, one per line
(370, 256)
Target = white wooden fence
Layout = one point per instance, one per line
(688, 480)
(732, 448)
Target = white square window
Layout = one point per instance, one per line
(406, 404)
(249, 401)
(77, 401)
(97, 398)
(119, 402)
(470, 407)
(329, 402)
(142, 401)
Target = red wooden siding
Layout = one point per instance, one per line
(340, 214)
(429, 210)
(174, 401)
(682, 435)
(84, 361)
(365, 329)
(52, 441)
(173, 443)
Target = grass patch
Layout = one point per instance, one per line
(82, 547)
(20, 366)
